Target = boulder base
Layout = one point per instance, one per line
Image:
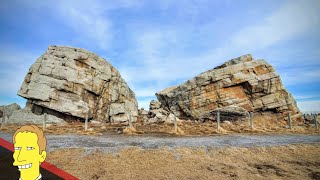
(25, 116)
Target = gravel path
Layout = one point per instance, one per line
(111, 143)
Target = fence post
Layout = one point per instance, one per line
(289, 120)
(315, 121)
(175, 123)
(86, 123)
(218, 119)
(251, 120)
(44, 122)
(130, 121)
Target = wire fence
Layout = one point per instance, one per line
(311, 118)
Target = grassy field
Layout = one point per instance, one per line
(279, 162)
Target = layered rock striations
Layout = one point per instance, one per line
(241, 82)
(71, 83)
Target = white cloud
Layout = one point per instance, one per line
(301, 97)
(159, 47)
(15, 65)
(145, 103)
(300, 76)
(294, 18)
(311, 106)
(14, 68)
(162, 64)
(88, 19)
(145, 92)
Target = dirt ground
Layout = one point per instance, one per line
(278, 162)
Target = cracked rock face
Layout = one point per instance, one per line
(69, 82)
(243, 82)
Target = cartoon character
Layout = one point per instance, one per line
(29, 151)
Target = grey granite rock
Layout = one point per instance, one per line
(71, 81)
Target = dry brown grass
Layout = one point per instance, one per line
(281, 162)
(268, 124)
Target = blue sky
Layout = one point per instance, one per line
(157, 44)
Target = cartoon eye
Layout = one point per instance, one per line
(30, 148)
(17, 148)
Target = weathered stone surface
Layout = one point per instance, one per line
(244, 82)
(310, 118)
(229, 113)
(154, 105)
(143, 114)
(157, 114)
(25, 116)
(72, 81)
(7, 110)
(170, 119)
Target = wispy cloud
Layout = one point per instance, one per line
(89, 20)
(311, 106)
(14, 67)
(163, 43)
(162, 62)
(289, 21)
(300, 76)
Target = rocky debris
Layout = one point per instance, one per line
(310, 118)
(244, 82)
(26, 116)
(157, 114)
(7, 110)
(143, 114)
(154, 105)
(95, 122)
(229, 113)
(67, 82)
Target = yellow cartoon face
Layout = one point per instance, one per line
(26, 153)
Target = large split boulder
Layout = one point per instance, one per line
(71, 83)
(242, 82)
